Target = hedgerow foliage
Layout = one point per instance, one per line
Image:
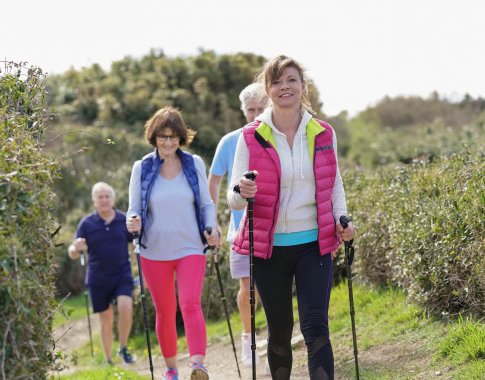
(413, 173)
(26, 245)
(422, 227)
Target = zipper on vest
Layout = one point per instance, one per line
(316, 200)
(291, 189)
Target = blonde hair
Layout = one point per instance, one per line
(273, 69)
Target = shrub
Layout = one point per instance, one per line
(421, 227)
(26, 245)
(442, 229)
(368, 203)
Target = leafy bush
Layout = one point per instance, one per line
(368, 204)
(422, 229)
(26, 242)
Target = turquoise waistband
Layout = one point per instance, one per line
(295, 238)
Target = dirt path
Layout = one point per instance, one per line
(73, 335)
(412, 357)
(221, 363)
(220, 356)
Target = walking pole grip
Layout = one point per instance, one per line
(136, 234)
(344, 221)
(208, 229)
(250, 175)
(349, 245)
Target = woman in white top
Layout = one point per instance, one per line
(298, 200)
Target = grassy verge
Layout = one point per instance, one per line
(397, 340)
(103, 374)
(464, 347)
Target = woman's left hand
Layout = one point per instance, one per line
(346, 234)
(214, 239)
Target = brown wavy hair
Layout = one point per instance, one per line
(171, 118)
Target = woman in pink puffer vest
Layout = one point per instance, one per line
(298, 200)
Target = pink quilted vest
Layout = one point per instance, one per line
(264, 158)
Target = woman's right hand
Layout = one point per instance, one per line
(346, 234)
(247, 187)
(133, 224)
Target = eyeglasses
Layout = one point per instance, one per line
(166, 138)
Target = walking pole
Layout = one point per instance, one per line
(87, 304)
(349, 258)
(223, 297)
(250, 175)
(136, 239)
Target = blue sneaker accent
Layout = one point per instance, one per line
(199, 372)
(171, 374)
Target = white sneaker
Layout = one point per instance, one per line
(246, 354)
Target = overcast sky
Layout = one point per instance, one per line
(356, 51)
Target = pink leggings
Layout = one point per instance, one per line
(159, 276)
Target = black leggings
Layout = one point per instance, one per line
(313, 276)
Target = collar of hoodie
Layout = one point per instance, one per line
(305, 118)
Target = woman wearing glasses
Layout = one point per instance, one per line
(170, 207)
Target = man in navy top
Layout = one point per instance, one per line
(103, 233)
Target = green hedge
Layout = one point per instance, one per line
(422, 227)
(26, 246)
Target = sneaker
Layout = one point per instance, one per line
(246, 354)
(199, 372)
(109, 363)
(126, 355)
(171, 374)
